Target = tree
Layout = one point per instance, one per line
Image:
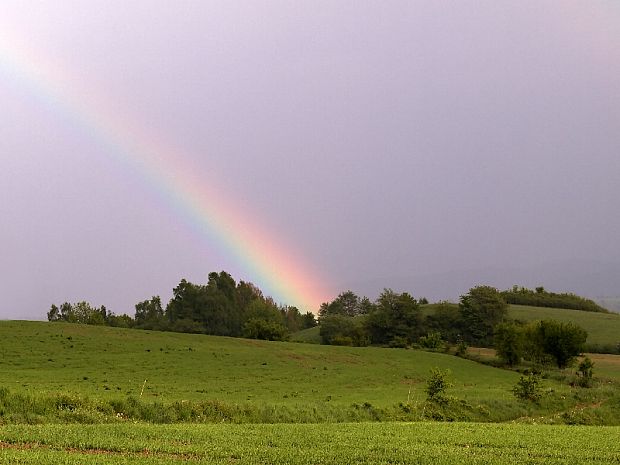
(395, 317)
(529, 387)
(308, 320)
(562, 342)
(53, 314)
(437, 384)
(508, 342)
(343, 330)
(150, 314)
(482, 309)
(446, 319)
(347, 304)
(585, 373)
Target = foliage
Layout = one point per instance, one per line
(554, 340)
(221, 307)
(346, 304)
(445, 318)
(149, 314)
(461, 347)
(437, 384)
(529, 387)
(540, 297)
(395, 317)
(508, 342)
(481, 310)
(257, 328)
(343, 330)
(83, 313)
(585, 372)
(432, 341)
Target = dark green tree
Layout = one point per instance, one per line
(347, 304)
(394, 319)
(508, 342)
(561, 342)
(343, 330)
(481, 310)
(53, 314)
(150, 314)
(446, 319)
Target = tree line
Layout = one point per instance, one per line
(224, 307)
(480, 319)
(221, 307)
(540, 297)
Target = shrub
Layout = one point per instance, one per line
(585, 372)
(529, 387)
(437, 384)
(432, 341)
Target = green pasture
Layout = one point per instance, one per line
(63, 373)
(103, 362)
(349, 443)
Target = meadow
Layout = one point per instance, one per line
(105, 362)
(76, 394)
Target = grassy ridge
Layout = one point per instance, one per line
(362, 443)
(603, 328)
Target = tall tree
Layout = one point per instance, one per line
(395, 317)
(482, 309)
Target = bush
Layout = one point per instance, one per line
(585, 373)
(256, 328)
(437, 384)
(432, 341)
(529, 387)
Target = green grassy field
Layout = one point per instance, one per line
(104, 362)
(603, 328)
(86, 386)
(360, 443)
(58, 372)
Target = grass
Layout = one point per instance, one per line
(361, 443)
(308, 336)
(63, 373)
(106, 363)
(300, 403)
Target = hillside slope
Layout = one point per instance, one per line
(103, 362)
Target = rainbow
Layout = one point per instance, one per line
(201, 202)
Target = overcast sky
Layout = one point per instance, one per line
(380, 140)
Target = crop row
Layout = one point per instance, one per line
(359, 443)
